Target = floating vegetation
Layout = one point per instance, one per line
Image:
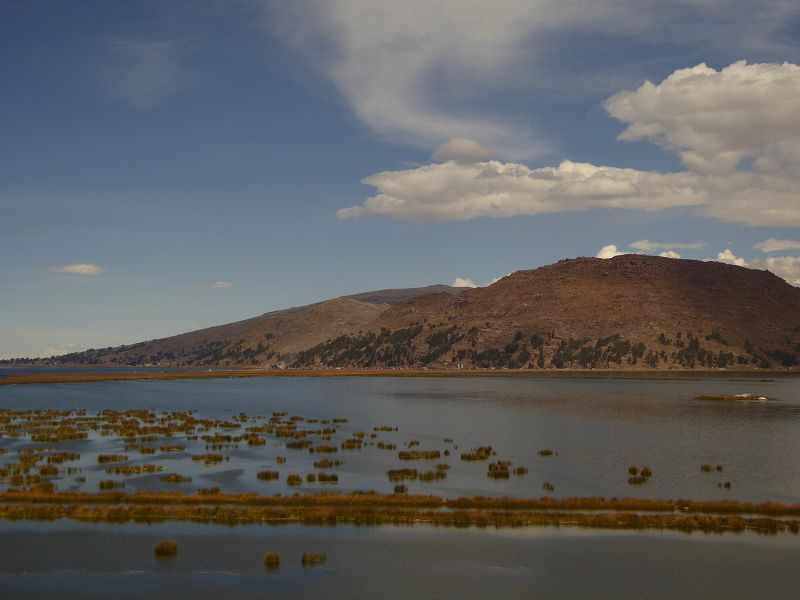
(326, 463)
(726, 485)
(419, 454)
(401, 474)
(353, 444)
(309, 559)
(165, 549)
(280, 460)
(548, 487)
(208, 459)
(110, 484)
(111, 458)
(299, 444)
(175, 478)
(480, 453)
(432, 475)
(133, 469)
(171, 448)
(209, 491)
(639, 476)
(327, 478)
(521, 471)
(709, 468)
(323, 449)
(294, 479)
(386, 446)
(734, 398)
(400, 489)
(311, 478)
(546, 452)
(268, 475)
(62, 457)
(272, 560)
(498, 470)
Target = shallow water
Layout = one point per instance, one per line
(597, 427)
(84, 561)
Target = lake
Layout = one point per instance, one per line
(596, 429)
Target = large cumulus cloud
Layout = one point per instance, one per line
(713, 119)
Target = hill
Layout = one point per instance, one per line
(268, 339)
(628, 312)
(632, 311)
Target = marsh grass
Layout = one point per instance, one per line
(272, 560)
(175, 478)
(310, 559)
(166, 549)
(480, 453)
(419, 455)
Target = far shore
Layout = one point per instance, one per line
(119, 374)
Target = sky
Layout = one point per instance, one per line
(166, 166)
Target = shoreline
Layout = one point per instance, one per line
(217, 373)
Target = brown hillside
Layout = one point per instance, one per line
(271, 338)
(589, 312)
(632, 311)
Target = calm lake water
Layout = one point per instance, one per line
(597, 428)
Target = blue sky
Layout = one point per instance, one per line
(206, 161)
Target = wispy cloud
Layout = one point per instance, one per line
(648, 246)
(420, 72)
(77, 269)
(775, 245)
(143, 74)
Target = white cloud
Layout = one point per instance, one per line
(716, 119)
(648, 246)
(609, 251)
(775, 245)
(220, 285)
(669, 254)
(470, 283)
(461, 150)
(60, 349)
(462, 282)
(419, 72)
(77, 269)
(786, 267)
(694, 112)
(728, 257)
(458, 191)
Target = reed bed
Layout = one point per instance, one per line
(397, 514)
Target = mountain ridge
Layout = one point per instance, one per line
(628, 312)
